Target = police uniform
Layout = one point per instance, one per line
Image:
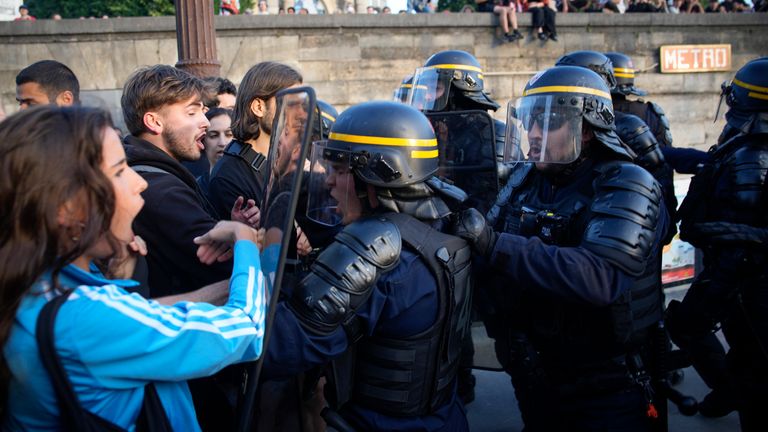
(385, 304)
(651, 113)
(724, 214)
(631, 129)
(574, 251)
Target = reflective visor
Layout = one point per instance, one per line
(330, 183)
(543, 129)
(430, 89)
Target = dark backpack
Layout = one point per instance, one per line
(152, 417)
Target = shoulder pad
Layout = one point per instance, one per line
(638, 136)
(626, 209)
(748, 166)
(657, 109)
(376, 239)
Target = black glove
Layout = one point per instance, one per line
(733, 234)
(471, 226)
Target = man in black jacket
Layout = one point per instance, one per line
(240, 171)
(163, 111)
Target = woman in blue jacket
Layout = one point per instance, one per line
(68, 200)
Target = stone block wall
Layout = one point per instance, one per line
(354, 58)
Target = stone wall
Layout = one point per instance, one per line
(353, 58)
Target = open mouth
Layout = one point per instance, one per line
(199, 142)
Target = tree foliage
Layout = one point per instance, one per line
(453, 5)
(99, 8)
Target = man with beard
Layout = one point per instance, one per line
(163, 111)
(240, 171)
(571, 240)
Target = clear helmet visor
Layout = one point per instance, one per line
(330, 184)
(402, 93)
(430, 89)
(543, 129)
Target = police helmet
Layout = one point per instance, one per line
(386, 144)
(624, 71)
(403, 91)
(563, 96)
(593, 60)
(449, 73)
(326, 115)
(747, 95)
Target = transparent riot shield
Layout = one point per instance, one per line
(289, 143)
(467, 144)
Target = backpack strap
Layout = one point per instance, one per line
(73, 417)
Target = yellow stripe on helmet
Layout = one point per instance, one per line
(406, 85)
(566, 89)
(456, 66)
(750, 86)
(374, 140)
(758, 95)
(424, 154)
(328, 116)
(624, 75)
(623, 70)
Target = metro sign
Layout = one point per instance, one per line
(695, 58)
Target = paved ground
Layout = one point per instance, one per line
(495, 407)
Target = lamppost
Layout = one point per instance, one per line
(196, 38)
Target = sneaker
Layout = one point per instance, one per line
(716, 404)
(542, 36)
(513, 37)
(553, 36)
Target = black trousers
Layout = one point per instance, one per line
(544, 17)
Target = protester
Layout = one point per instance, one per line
(240, 171)
(47, 82)
(217, 137)
(117, 350)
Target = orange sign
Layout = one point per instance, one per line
(695, 58)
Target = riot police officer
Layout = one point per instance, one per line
(650, 112)
(724, 214)
(450, 90)
(631, 129)
(571, 238)
(452, 81)
(387, 301)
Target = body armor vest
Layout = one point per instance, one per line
(651, 114)
(560, 330)
(414, 376)
(731, 188)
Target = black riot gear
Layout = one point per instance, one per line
(326, 116)
(592, 60)
(573, 277)
(561, 96)
(391, 148)
(636, 134)
(403, 91)
(388, 144)
(651, 113)
(747, 97)
(451, 80)
(624, 72)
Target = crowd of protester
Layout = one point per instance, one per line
(509, 7)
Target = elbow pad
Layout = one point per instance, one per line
(626, 209)
(343, 275)
(638, 136)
